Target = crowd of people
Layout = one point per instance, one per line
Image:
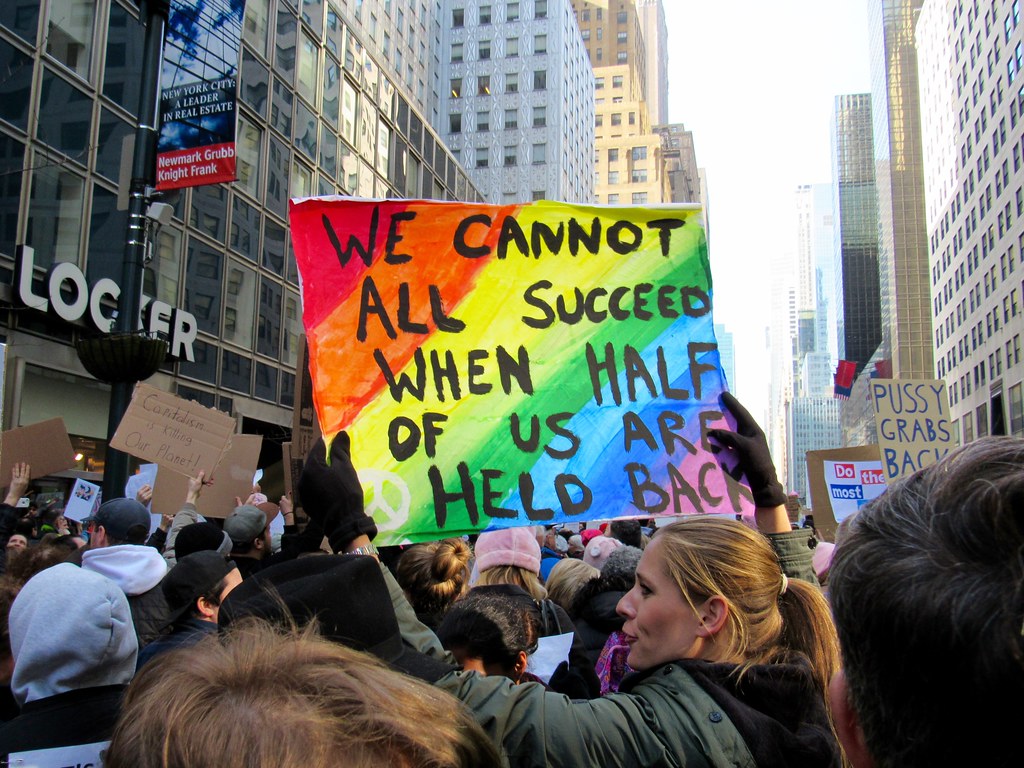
(705, 641)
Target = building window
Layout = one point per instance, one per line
(537, 194)
(483, 85)
(585, 33)
(70, 33)
(510, 157)
(616, 81)
(639, 176)
(598, 83)
(485, 14)
(613, 199)
(455, 123)
(484, 50)
(511, 118)
(540, 43)
(621, 57)
(616, 118)
(540, 79)
(540, 116)
(639, 198)
(456, 89)
(639, 153)
(540, 156)
(620, 37)
(620, 17)
(613, 155)
(483, 121)
(512, 82)
(481, 157)
(456, 51)
(613, 177)
(512, 12)
(632, 118)
(511, 47)
(598, 121)
(540, 9)
(458, 17)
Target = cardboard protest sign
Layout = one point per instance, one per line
(232, 477)
(498, 366)
(175, 433)
(44, 446)
(912, 417)
(841, 481)
(83, 501)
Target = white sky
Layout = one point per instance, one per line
(756, 84)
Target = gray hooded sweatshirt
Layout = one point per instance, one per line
(70, 629)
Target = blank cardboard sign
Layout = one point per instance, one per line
(177, 434)
(231, 478)
(44, 446)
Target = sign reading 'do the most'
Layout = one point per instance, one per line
(498, 366)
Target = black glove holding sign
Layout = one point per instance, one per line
(750, 447)
(331, 494)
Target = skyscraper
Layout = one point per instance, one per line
(856, 230)
(655, 32)
(904, 290)
(629, 166)
(517, 104)
(972, 69)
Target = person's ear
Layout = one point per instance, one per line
(713, 614)
(519, 668)
(847, 724)
(207, 609)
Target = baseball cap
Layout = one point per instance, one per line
(124, 519)
(192, 577)
(245, 523)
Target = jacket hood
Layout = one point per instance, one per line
(599, 611)
(777, 709)
(70, 629)
(135, 568)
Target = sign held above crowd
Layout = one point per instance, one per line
(498, 366)
(913, 421)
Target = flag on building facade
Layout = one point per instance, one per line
(843, 379)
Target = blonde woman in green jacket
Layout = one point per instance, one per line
(731, 638)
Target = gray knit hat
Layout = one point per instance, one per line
(621, 563)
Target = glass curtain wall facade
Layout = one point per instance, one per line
(899, 172)
(855, 205)
(317, 116)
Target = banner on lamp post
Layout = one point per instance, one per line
(199, 93)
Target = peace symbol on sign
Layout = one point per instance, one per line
(386, 498)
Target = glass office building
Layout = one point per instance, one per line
(319, 114)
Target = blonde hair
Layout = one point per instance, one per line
(267, 697)
(708, 556)
(434, 574)
(513, 574)
(566, 579)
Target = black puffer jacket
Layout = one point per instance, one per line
(596, 619)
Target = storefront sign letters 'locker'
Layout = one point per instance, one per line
(70, 297)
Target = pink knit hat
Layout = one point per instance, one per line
(822, 558)
(598, 549)
(508, 546)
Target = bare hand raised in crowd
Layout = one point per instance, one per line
(287, 509)
(144, 495)
(195, 487)
(21, 474)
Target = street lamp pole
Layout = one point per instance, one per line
(154, 14)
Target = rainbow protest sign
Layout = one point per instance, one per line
(498, 366)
